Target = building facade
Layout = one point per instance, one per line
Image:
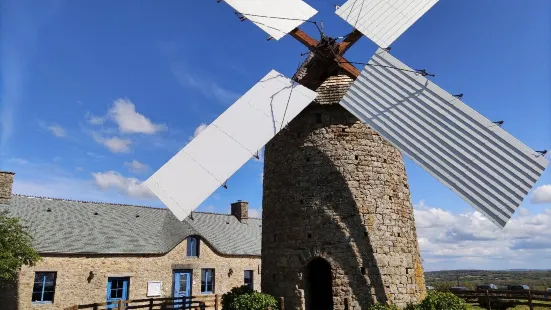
(338, 220)
(95, 252)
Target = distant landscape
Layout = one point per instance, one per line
(443, 280)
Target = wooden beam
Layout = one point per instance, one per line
(350, 40)
(348, 68)
(304, 38)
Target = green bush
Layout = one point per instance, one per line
(254, 301)
(229, 297)
(440, 301)
(244, 298)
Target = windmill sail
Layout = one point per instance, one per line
(275, 17)
(383, 21)
(475, 158)
(210, 159)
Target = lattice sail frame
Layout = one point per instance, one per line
(383, 21)
(294, 13)
(212, 157)
(478, 160)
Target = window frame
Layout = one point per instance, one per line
(251, 284)
(204, 277)
(193, 244)
(42, 301)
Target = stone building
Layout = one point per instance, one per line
(93, 252)
(338, 219)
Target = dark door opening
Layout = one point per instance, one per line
(318, 292)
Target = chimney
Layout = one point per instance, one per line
(240, 210)
(6, 182)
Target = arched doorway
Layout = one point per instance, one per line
(318, 293)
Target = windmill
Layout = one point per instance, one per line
(471, 155)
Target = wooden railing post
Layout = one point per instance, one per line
(216, 300)
(530, 304)
(150, 303)
(119, 305)
(281, 303)
(95, 307)
(346, 306)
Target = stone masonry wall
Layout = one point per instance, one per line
(72, 287)
(335, 189)
(6, 183)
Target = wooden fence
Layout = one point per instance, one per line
(207, 302)
(498, 299)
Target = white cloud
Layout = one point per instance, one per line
(136, 166)
(208, 88)
(256, 213)
(94, 120)
(542, 194)
(124, 114)
(210, 208)
(469, 240)
(198, 130)
(18, 161)
(114, 144)
(91, 154)
(57, 130)
(130, 187)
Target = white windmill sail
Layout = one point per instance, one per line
(475, 158)
(275, 17)
(210, 159)
(383, 21)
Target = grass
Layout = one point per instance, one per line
(515, 308)
(520, 307)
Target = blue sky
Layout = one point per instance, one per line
(97, 95)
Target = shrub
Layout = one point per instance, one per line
(229, 297)
(244, 298)
(441, 301)
(254, 301)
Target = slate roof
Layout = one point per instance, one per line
(75, 227)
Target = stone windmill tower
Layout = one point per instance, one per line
(337, 217)
(338, 225)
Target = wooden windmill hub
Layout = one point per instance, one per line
(326, 58)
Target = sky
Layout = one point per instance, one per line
(95, 96)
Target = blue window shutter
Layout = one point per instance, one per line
(108, 295)
(125, 289)
(43, 284)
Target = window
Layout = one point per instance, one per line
(207, 281)
(193, 246)
(248, 278)
(117, 288)
(44, 287)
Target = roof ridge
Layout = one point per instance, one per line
(227, 214)
(117, 204)
(89, 201)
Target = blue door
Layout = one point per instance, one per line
(182, 285)
(117, 289)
